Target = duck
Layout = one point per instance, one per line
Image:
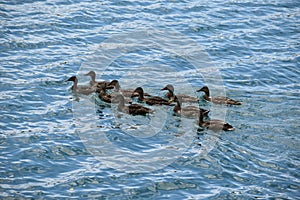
(152, 100)
(183, 97)
(214, 124)
(188, 111)
(218, 99)
(93, 81)
(86, 90)
(132, 109)
(125, 92)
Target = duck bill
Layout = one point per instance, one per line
(70, 79)
(165, 88)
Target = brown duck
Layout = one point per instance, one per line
(132, 109)
(214, 124)
(183, 97)
(152, 100)
(86, 90)
(188, 111)
(218, 99)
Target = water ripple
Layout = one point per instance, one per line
(254, 45)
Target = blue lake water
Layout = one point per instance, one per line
(52, 140)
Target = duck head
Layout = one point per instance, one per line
(139, 91)
(92, 74)
(73, 78)
(168, 87)
(204, 89)
(114, 83)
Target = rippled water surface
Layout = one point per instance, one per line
(57, 144)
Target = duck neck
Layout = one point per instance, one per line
(206, 95)
(170, 94)
(200, 117)
(177, 107)
(117, 87)
(93, 82)
(93, 78)
(121, 104)
(141, 95)
(102, 91)
(75, 86)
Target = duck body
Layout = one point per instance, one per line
(133, 109)
(105, 97)
(110, 98)
(86, 90)
(218, 99)
(188, 111)
(183, 97)
(152, 100)
(214, 124)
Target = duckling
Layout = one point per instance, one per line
(86, 90)
(188, 111)
(127, 92)
(214, 124)
(152, 100)
(132, 109)
(93, 81)
(218, 99)
(184, 98)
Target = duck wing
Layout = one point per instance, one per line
(186, 98)
(233, 102)
(105, 97)
(84, 87)
(192, 111)
(136, 109)
(155, 100)
(189, 113)
(225, 100)
(194, 108)
(86, 90)
(217, 125)
(99, 85)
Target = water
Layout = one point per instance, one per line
(253, 45)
